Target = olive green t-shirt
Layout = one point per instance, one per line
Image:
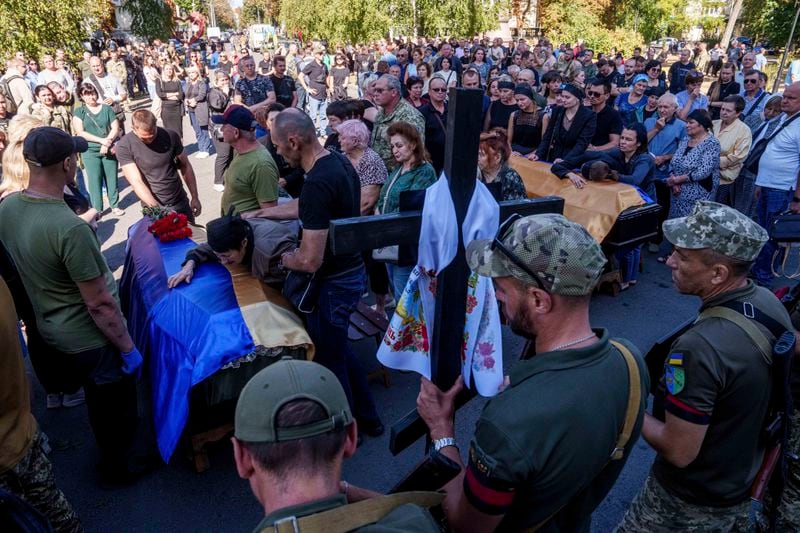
(53, 250)
(551, 433)
(715, 376)
(251, 178)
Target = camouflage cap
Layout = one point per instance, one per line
(719, 227)
(567, 260)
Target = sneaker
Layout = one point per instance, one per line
(74, 400)
(118, 211)
(53, 401)
(202, 155)
(219, 188)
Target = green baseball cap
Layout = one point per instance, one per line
(280, 383)
(562, 254)
(719, 227)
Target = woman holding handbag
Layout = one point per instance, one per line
(97, 123)
(413, 172)
(219, 98)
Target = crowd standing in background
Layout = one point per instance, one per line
(318, 131)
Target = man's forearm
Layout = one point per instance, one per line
(141, 190)
(286, 211)
(108, 318)
(189, 178)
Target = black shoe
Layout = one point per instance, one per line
(373, 429)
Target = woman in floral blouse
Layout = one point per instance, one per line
(493, 153)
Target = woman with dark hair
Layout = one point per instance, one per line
(499, 112)
(413, 172)
(338, 78)
(724, 86)
(46, 110)
(654, 78)
(446, 70)
(219, 98)
(424, 72)
(97, 123)
(479, 63)
(694, 169)
(415, 97)
(493, 153)
(569, 130)
(257, 243)
(525, 125)
(551, 86)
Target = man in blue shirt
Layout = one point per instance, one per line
(664, 132)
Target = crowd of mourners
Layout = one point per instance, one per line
(317, 132)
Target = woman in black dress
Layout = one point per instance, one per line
(169, 90)
(525, 125)
(338, 78)
(499, 112)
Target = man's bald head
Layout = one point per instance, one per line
(791, 99)
(294, 123)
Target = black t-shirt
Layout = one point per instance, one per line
(264, 67)
(316, 76)
(225, 67)
(284, 89)
(608, 121)
(331, 190)
(158, 163)
(435, 134)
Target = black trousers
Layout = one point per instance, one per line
(664, 198)
(224, 158)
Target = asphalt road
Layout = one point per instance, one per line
(175, 498)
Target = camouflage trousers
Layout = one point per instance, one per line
(655, 510)
(790, 503)
(32, 480)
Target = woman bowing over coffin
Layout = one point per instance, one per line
(256, 243)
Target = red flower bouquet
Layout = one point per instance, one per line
(171, 226)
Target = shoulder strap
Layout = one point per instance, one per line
(744, 323)
(634, 400)
(354, 515)
(755, 104)
(631, 415)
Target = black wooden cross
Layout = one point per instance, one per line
(365, 233)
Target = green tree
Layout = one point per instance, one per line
(224, 13)
(769, 20)
(263, 11)
(653, 19)
(150, 19)
(36, 27)
(569, 23)
(337, 20)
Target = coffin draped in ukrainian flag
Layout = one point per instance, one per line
(188, 333)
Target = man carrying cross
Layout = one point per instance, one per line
(530, 463)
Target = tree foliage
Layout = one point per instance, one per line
(584, 20)
(769, 20)
(224, 13)
(36, 27)
(264, 11)
(150, 19)
(653, 19)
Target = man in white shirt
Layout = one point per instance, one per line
(18, 85)
(778, 177)
(51, 73)
(761, 60)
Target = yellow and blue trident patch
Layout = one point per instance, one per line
(674, 376)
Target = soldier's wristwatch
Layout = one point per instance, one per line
(438, 444)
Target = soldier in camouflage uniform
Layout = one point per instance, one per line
(115, 66)
(716, 384)
(25, 469)
(530, 463)
(394, 108)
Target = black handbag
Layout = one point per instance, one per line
(757, 150)
(785, 227)
(302, 290)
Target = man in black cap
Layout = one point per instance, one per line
(151, 158)
(251, 181)
(75, 297)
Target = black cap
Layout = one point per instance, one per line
(47, 146)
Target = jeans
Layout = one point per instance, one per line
(201, 132)
(317, 112)
(328, 326)
(398, 275)
(770, 203)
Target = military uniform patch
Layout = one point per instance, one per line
(480, 460)
(674, 378)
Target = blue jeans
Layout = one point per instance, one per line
(629, 263)
(771, 202)
(328, 326)
(316, 110)
(398, 275)
(201, 132)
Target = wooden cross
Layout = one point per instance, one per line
(353, 235)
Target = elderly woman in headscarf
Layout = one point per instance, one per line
(257, 243)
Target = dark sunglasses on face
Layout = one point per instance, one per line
(594, 94)
(751, 80)
(497, 244)
(439, 90)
